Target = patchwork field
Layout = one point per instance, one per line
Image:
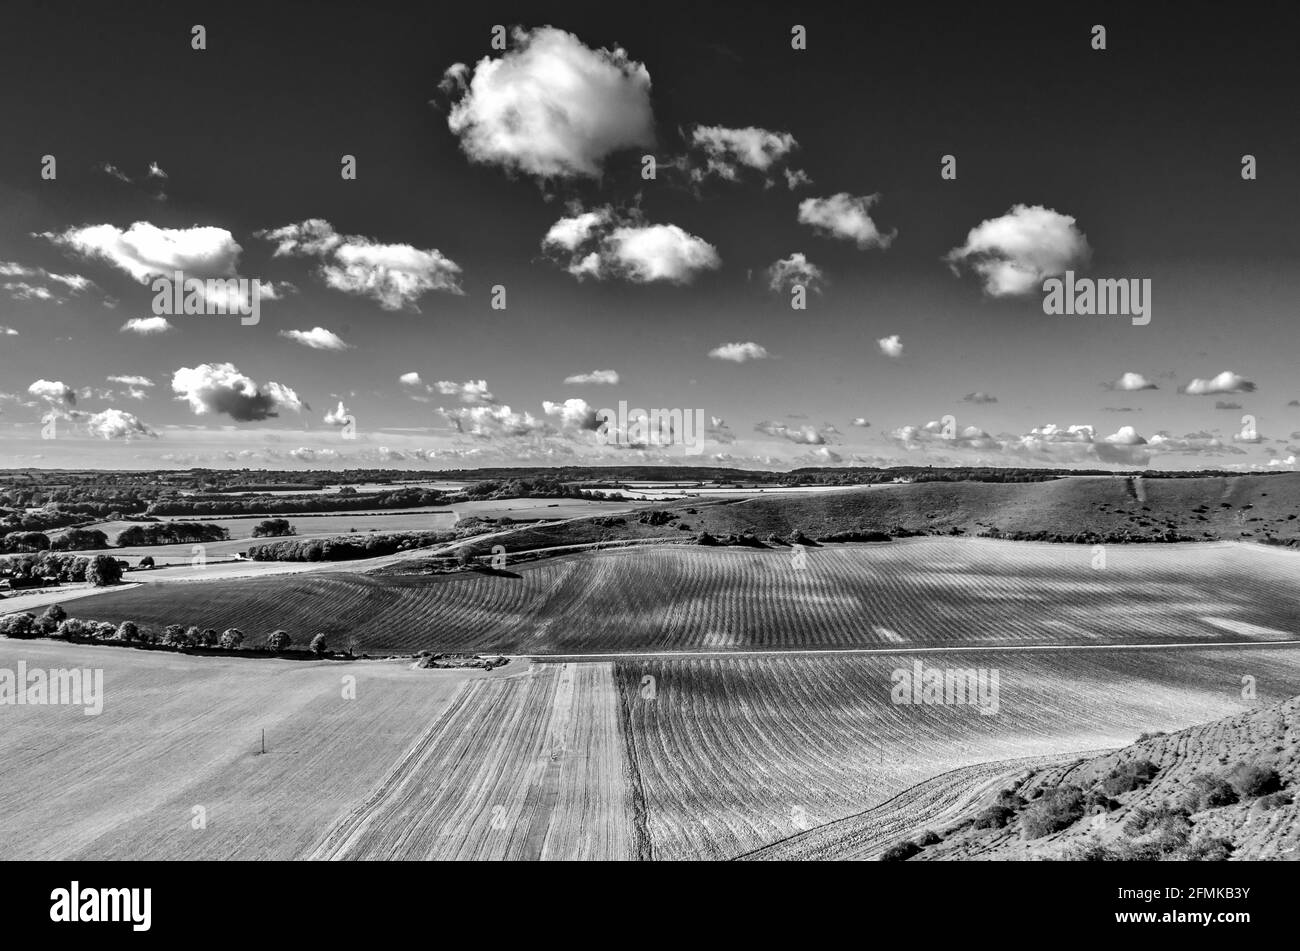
(919, 592)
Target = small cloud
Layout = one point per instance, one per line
(861, 422)
(1016, 252)
(1225, 382)
(891, 346)
(318, 338)
(608, 377)
(978, 397)
(1131, 382)
(147, 325)
(739, 352)
(796, 269)
(846, 217)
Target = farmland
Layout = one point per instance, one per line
(921, 592)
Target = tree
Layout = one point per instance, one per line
(318, 646)
(104, 570)
(49, 621)
(279, 641)
(105, 631)
(209, 637)
(146, 562)
(231, 638)
(128, 632)
(271, 527)
(173, 635)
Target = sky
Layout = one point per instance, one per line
(499, 263)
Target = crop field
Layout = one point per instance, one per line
(181, 732)
(526, 767)
(735, 753)
(922, 592)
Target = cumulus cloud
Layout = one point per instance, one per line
(1016, 252)
(577, 413)
(318, 338)
(54, 392)
(847, 217)
(221, 388)
(806, 434)
(860, 422)
(145, 250)
(471, 392)
(7, 332)
(719, 152)
(796, 269)
(136, 385)
(1131, 382)
(594, 377)
(891, 346)
(1225, 382)
(551, 107)
(393, 275)
(337, 416)
(739, 352)
(489, 421)
(979, 397)
(144, 326)
(607, 244)
(116, 424)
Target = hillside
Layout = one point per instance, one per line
(1221, 790)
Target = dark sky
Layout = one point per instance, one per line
(1140, 144)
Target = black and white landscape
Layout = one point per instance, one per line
(649, 432)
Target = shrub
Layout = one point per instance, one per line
(1251, 780)
(1128, 777)
(929, 837)
(49, 621)
(231, 638)
(1098, 801)
(1053, 811)
(279, 641)
(146, 562)
(318, 646)
(1207, 791)
(19, 625)
(900, 852)
(173, 635)
(1210, 849)
(995, 817)
(127, 632)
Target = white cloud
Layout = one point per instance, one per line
(1132, 382)
(27, 290)
(318, 338)
(471, 392)
(573, 412)
(221, 388)
(891, 346)
(410, 379)
(1225, 382)
(116, 424)
(54, 392)
(796, 269)
(394, 275)
(727, 152)
(155, 171)
(551, 107)
(861, 422)
(338, 416)
(604, 244)
(144, 250)
(844, 216)
(7, 332)
(805, 434)
(739, 352)
(489, 421)
(147, 325)
(1016, 252)
(594, 377)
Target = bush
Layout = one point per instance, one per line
(318, 646)
(1276, 800)
(1210, 849)
(104, 570)
(209, 637)
(19, 625)
(173, 635)
(995, 817)
(279, 641)
(929, 837)
(231, 638)
(1052, 812)
(1206, 791)
(146, 562)
(49, 621)
(1128, 777)
(127, 632)
(900, 852)
(1251, 780)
